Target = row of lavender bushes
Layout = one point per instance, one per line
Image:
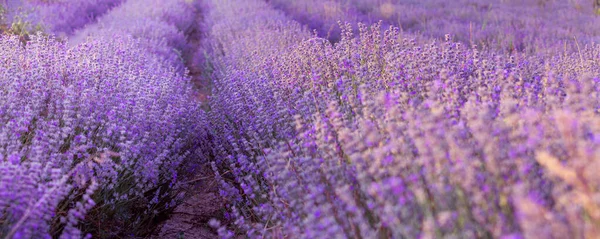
(540, 26)
(163, 26)
(378, 136)
(59, 17)
(94, 133)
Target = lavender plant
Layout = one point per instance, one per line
(94, 131)
(382, 136)
(524, 26)
(376, 135)
(60, 17)
(161, 26)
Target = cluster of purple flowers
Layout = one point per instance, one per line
(58, 17)
(542, 26)
(369, 132)
(101, 124)
(379, 135)
(161, 26)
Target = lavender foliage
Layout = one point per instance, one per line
(394, 119)
(541, 26)
(383, 136)
(96, 125)
(61, 17)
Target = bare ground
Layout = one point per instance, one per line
(201, 203)
(190, 219)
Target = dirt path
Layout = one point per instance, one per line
(201, 203)
(190, 219)
(194, 58)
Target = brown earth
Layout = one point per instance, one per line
(190, 219)
(201, 202)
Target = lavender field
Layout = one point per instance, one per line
(300, 119)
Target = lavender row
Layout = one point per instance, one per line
(246, 112)
(95, 133)
(508, 25)
(57, 17)
(380, 136)
(161, 26)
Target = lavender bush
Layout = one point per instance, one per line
(545, 26)
(440, 127)
(94, 132)
(161, 26)
(381, 136)
(60, 17)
